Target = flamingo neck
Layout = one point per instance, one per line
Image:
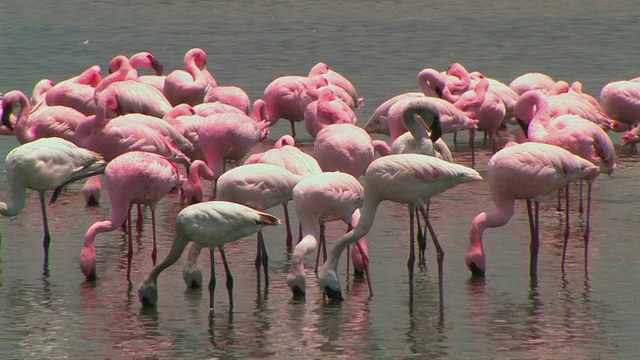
(307, 245)
(496, 217)
(16, 202)
(22, 130)
(381, 147)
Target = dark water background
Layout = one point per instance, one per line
(380, 46)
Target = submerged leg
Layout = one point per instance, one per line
(212, 281)
(412, 252)
(365, 260)
(587, 229)
(154, 251)
(440, 253)
(289, 239)
(229, 277)
(129, 244)
(566, 226)
(47, 237)
(533, 226)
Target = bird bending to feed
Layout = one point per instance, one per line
(135, 177)
(525, 171)
(403, 178)
(211, 224)
(42, 165)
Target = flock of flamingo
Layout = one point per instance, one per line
(138, 131)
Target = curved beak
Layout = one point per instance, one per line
(333, 295)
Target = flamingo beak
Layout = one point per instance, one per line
(333, 295)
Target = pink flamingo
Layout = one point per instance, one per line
(209, 224)
(41, 165)
(347, 148)
(325, 111)
(486, 107)
(433, 83)
(40, 89)
(47, 121)
(576, 88)
(620, 100)
(319, 199)
(570, 132)
(288, 96)
(259, 186)
(575, 104)
(142, 59)
(378, 122)
(228, 136)
(207, 108)
(526, 171)
(502, 90)
(134, 96)
(337, 79)
(191, 190)
(135, 177)
(286, 155)
(403, 178)
(535, 81)
(76, 92)
(189, 86)
(100, 135)
(231, 95)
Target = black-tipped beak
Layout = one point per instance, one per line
(146, 303)
(436, 130)
(438, 92)
(475, 270)
(156, 65)
(334, 295)
(298, 294)
(6, 116)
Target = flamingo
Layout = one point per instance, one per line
(207, 108)
(41, 165)
(231, 95)
(337, 79)
(228, 136)
(260, 186)
(39, 89)
(325, 111)
(286, 155)
(575, 104)
(288, 96)
(189, 86)
(576, 88)
(535, 81)
(134, 96)
(526, 171)
(503, 91)
(570, 132)
(403, 178)
(620, 100)
(378, 122)
(135, 177)
(318, 199)
(47, 121)
(484, 106)
(143, 59)
(211, 224)
(347, 148)
(191, 190)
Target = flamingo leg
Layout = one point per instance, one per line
(566, 227)
(129, 244)
(265, 259)
(412, 252)
(320, 244)
(139, 220)
(293, 129)
(47, 237)
(227, 270)
(581, 206)
(587, 229)
(559, 208)
(324, 243)
(212, 281)
(289, 239)
(349, 228)
(154, 251)
(422, 235)
(535, 245)
(473, 147)
(455, 140)
(365, 260)
(440, 253)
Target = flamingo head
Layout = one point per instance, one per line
(329, 282)
(284, 140)
(156, 65)
(7, 110)
(88, 261)
(148, 293)
(630, 138)
(618, 126)
(475, 260)
(297, 285)
(319, 69)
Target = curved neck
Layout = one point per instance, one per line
(309, 242)
(21, 125)
(259, 111)
(16, 202)
(381, 147)
(496, 217)
(120, 74)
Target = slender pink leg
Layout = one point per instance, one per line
(139, 220)
(587, 229)
(365, 260)
(154, 251)
(440, 253)
(566, 226)
(129, 244)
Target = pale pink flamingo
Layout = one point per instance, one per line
(189, 86)
(231, 95)
(319, 199)
(403, 178)
(208, 224)
(337, 79)
(325, 111)
(631, 137)
(142, 59)
(620, 100)
(100, 135)
(40, 88)
(526, 171)
(42, 165)
(288, 96)
(191, 189)
(570, 132)
(576, 104)
(135, 177)
(47, 121)
(533, 81)
(207, 108)
(347, 148)
(228, 136)
(378, 122)
(259, 186)
(484, 106)
(433, 83)
(76, 92)
(286, 155)
(133, 96)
